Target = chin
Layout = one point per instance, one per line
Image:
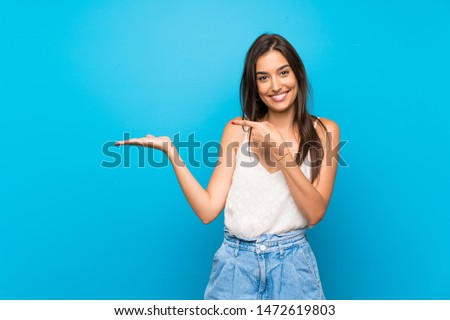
(280, 108)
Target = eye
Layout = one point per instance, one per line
(262, 78)
(284, 72)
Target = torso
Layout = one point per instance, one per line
(259, 200)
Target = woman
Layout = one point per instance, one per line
(276, 183)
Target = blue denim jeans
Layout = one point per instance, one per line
(272, 266)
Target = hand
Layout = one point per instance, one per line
(265, 134)
(161, 143)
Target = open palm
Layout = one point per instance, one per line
(149, 141)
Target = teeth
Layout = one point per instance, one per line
(279, 96)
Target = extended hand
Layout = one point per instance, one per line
(149, 141)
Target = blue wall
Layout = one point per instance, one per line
(77, 75)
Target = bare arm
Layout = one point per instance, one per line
(311, 200)
(206, 203)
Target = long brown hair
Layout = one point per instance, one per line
(254, 109)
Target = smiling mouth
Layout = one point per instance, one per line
(279, 97)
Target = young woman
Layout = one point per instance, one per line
(275, 184)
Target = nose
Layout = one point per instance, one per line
(275, 85)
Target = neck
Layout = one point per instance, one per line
(283, 121)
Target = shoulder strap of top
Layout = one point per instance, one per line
(244, 144)
(315, 122)
(247, 130)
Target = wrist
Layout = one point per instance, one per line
(281, 149)
(174, 156)
(171, 151)
(280, 157)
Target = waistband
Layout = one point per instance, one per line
(266, 243)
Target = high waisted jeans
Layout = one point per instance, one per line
(272, 266)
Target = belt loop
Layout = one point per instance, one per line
(237, 248)
(281, 249)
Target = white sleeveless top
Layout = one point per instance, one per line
(260, 202)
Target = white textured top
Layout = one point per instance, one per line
(260, 202)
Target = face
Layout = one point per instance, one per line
(277, 84)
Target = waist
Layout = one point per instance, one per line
(266, 243)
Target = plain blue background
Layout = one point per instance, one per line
(75, 75)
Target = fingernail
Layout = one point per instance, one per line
(232, 122)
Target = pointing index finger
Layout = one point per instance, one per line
(244, 123)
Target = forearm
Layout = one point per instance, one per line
(311, 200)
(308, 200)
(195, 194)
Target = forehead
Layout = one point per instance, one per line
(271, 60)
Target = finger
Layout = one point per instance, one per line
(244, 123)
(135, 141)
(122, 143)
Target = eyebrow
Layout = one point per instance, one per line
(264, 72)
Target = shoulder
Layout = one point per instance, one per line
(233, 133)
(330, 125)
(326, 125)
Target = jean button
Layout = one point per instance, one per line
(262, 247)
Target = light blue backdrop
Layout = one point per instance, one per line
(75, 75)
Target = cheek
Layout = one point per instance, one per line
(294, 86)
(292, 82)
(295, 89)
(261, 88)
